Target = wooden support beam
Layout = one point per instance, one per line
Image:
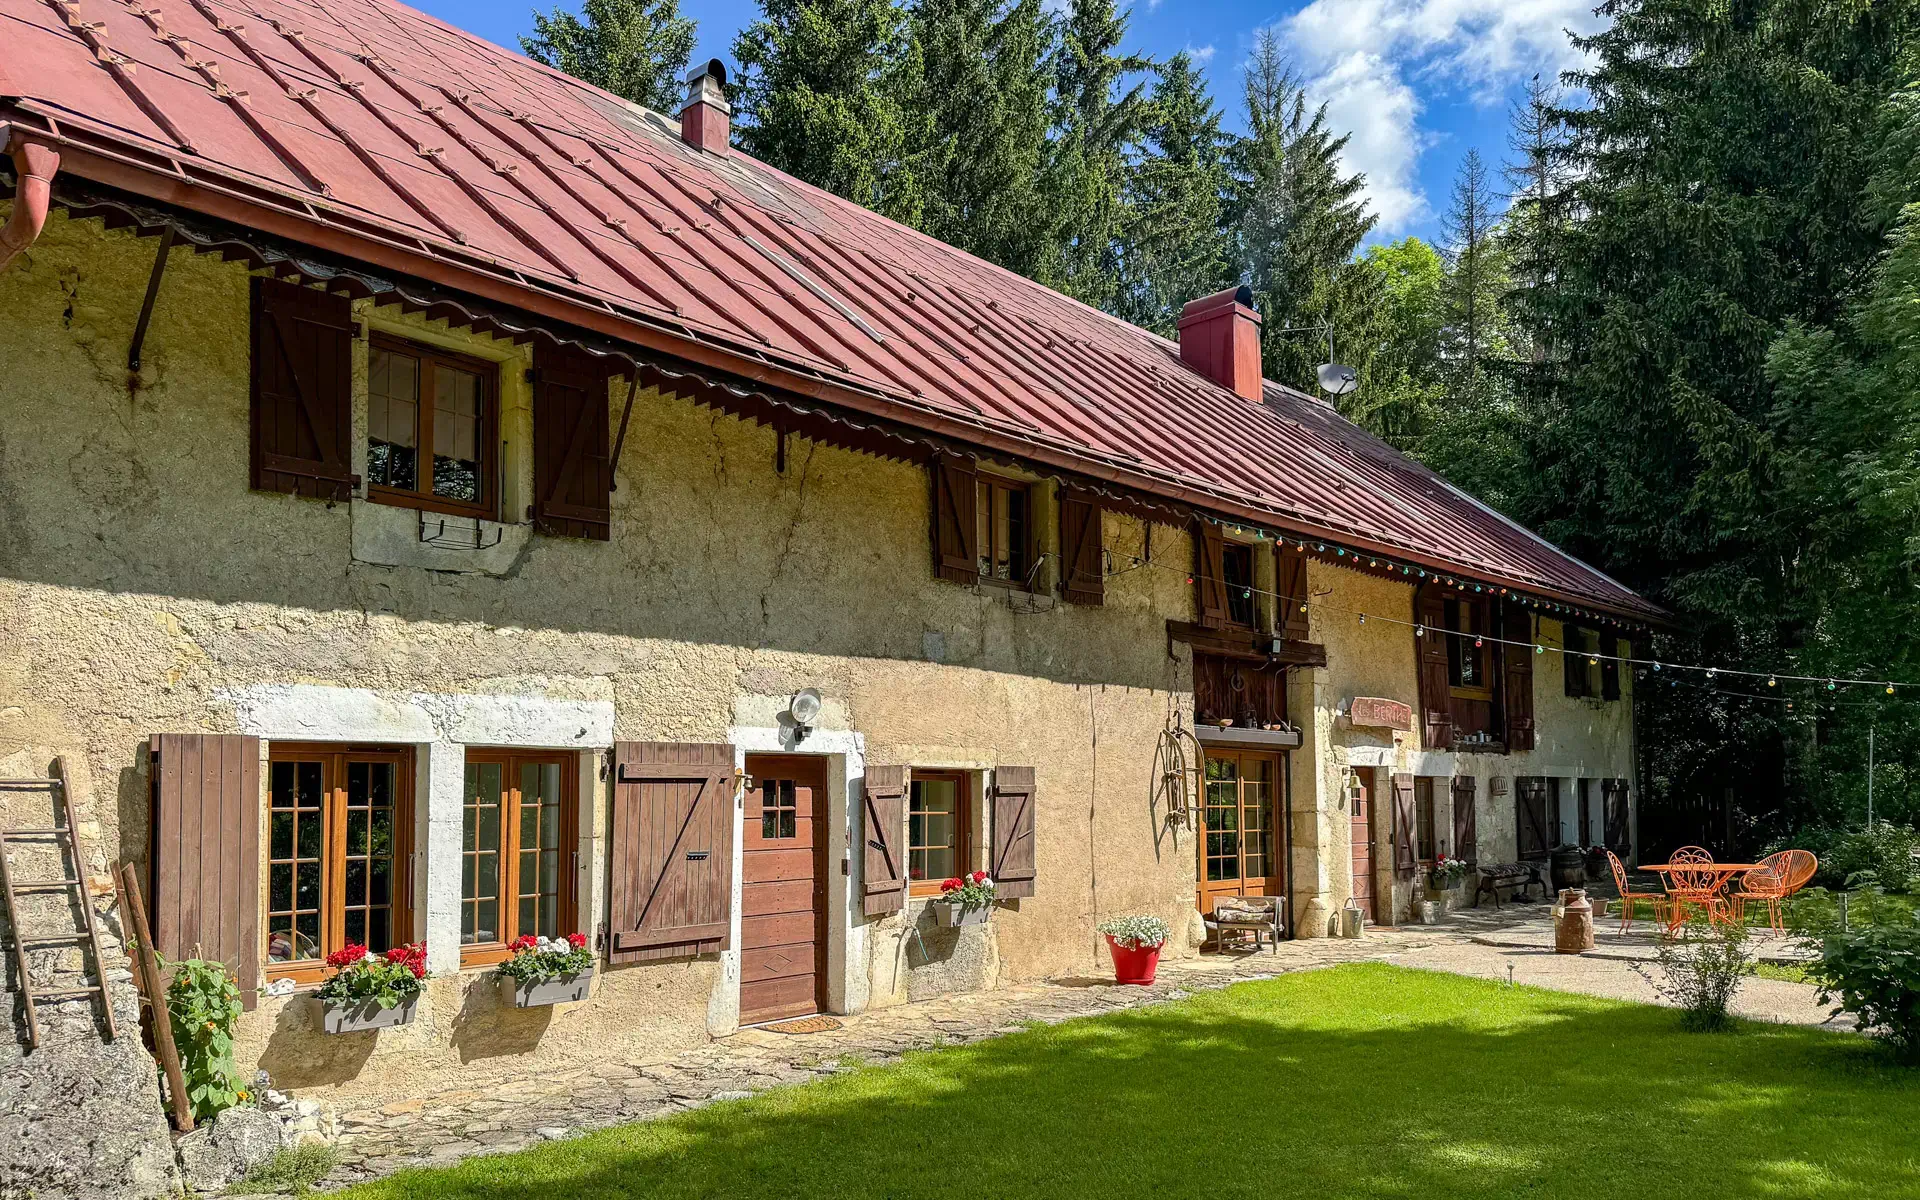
(153, 291)
(626, 414)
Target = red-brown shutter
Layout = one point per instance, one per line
(204, 892)
(1609, 667)
(956, 523)
(1082, 551)
(1291, 570)
(1210, 575)
(1436, 692)
(301, 419)
(1405, 857)
(572, 473)
(1012, 866)
(1516, 673)
(670, 855)
(1466, 825)
(884, 865)
(1530, 816)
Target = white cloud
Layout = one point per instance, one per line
(1201, 55)
(1364, 57)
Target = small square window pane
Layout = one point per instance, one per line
(308, 790)
(280, 887)
(306, 892)
(380, 929)
(280, 835)
(356, 927)
(357, 840)
(355, 882)
(310, 829)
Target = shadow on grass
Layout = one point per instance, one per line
(1356, 1081)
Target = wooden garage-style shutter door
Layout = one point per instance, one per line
(1466, 824)
(670, 855)
(301, 419)
(1614, 815)
(1012, 866)
(1405, 855)
(1530, 816)
(956, 526)
(1292, 573)
(1430, 648)
(1082, 552)
(572, 475)
(1210, 575)
(205, 886)
(885, 827)
(1516, 677)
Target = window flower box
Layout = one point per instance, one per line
(964, 900)
(361, 1016)
(371, 991)
(546, 971)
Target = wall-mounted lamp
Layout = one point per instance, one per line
(803, 710)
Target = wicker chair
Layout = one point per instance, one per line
(1777, 877)
(1628, 896)
(1692, 882)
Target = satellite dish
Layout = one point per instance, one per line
(1337, 380)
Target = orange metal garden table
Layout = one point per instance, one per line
(1725, 871)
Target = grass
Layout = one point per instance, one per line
(1357, 1081)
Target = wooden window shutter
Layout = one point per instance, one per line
(1609, 667)
(1466, 825)
(1291, 571)
(300, 424)
(1516, 675)
(1083, 559)
(1573, 661)
(1405, 858)
(884, 865)
(956, 522)
(572, 470)
(1012, 865)
(1430, 649)
(205, 882)
(1614, 815)
(670, 854)
(1530, 816)
(1210, 575)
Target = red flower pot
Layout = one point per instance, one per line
(1133, 965)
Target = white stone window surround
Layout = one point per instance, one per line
(440, 726)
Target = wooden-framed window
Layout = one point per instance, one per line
(939, 829)
(1582, 671)
(339, 840)
(432, 428)
(1426, 839)
(1004, 515)
(1236, 571)
(1469, 666)
(519, 836)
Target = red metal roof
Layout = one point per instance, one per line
(369, 126)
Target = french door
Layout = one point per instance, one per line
(1242, 848)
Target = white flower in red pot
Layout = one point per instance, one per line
(1134, 942)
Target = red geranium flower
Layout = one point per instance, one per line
(577, 940)
(951, 885)
(525, 941)
(979, 876)
(346, 955)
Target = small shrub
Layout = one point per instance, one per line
(1873, 969)
(203, 1005)
(1879, 856)
(1701, 973)
(291, 1171)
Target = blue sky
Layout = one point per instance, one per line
(1417, 82)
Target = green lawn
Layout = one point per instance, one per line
(1362, 1080)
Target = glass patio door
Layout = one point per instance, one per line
(1240, 847)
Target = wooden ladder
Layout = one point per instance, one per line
(77, 886)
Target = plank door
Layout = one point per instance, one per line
(783, 916)
(1363, 842)
(1241, 850)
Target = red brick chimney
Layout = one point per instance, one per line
(706, 117)
(1220, 338)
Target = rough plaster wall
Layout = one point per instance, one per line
(144, 583)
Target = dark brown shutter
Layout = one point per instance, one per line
(1082, 551)
(1436, 692)
(301, 420)
(1530, 816)
(205, 886)
(1609, 667)
(1405, 860)
(1614, 814)
(956, 523)
(670, 854)
(885, 868)
(1516, 673)
(1210, 575)
(1292, 574)
(1012, 866)
(572, 474)
(1466, 825)
(1573, 661)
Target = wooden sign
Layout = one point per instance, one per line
(1381, 714)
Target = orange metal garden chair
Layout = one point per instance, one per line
(1628, 896)
(1778, 877)
(1694, 883)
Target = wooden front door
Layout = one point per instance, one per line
(1241, 851)
(783, 915)
(1363, 842)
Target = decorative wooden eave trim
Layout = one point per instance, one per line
(1252, 647)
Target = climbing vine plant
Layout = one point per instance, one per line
(204, 1004)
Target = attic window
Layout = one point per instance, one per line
(431, 422)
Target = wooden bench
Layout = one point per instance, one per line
(1514, 876)
(1260, 916)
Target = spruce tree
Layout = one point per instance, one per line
(1476, 276)
(637, 49)
(1173, 244)
(1096, 130)
(821, 94)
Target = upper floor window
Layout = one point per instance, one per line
(431, 428)
(1236, 571)
(1467, 653)
(1591, 663)
(1005, 520)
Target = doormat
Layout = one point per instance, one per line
(804, 1025)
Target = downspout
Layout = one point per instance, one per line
(34, 164)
